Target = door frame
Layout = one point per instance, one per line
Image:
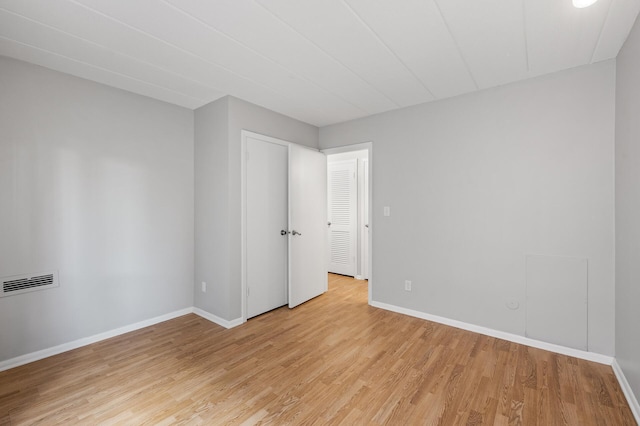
(368, 146)
(244, 134)
(363, 206)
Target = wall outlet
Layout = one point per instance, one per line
(386, 211)
(204, 287)
(407, 285)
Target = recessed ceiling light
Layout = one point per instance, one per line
(583, 3)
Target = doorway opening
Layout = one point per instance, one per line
(349, 207)
(347, 213)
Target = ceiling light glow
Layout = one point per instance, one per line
(583, 3)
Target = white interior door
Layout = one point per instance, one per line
(266, 217)
(308, 224)
(343, 218)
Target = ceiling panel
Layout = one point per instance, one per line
(332, 26)
(259, 30)
(191, 35)
(70, 66)
(106, 31)
(320, 62)
(107, 34)
(622, 14)
(43, 37)
(560, 36)
(490, 34)
(415, 31)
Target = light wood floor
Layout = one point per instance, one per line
(333, 360)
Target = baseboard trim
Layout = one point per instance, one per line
(217, 320)
(589, 356)
(626, 389)
(55, 350)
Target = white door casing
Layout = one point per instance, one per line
(343, 219)
(266, 216)
(364, 223)
(308, 218)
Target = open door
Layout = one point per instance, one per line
(308, 245)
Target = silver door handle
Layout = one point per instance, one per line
(283, 232)
(294, 232)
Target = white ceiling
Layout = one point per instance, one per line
(320, 61)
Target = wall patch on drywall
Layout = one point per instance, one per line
(557, 300)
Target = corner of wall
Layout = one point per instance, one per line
(634, 405)
(211, 263)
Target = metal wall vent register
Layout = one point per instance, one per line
(19, 284)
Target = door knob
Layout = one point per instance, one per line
(294, 232)
(283, 232)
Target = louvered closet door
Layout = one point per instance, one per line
(342, 206)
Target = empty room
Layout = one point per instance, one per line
(320, 212)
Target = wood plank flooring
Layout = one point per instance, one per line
(333, 360)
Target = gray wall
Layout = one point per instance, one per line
(98, 184)
(211, 209)
(218, 253)
(628, 209)
(478, 181)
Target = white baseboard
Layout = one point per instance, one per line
(589, 356)
(216, 319)
(44, 353)
(628, 392)
(55, 350)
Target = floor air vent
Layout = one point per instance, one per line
(19, 284)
